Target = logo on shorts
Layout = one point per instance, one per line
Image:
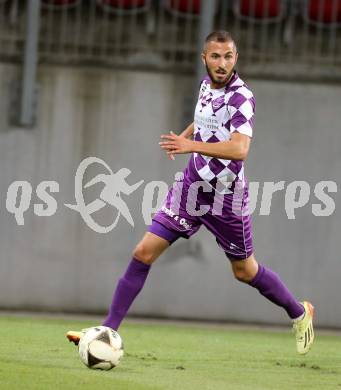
(181, 221)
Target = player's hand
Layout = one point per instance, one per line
(175, 144)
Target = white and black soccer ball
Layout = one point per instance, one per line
(100, 347)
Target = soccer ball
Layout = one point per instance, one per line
(100, 347)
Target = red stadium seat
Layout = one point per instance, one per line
(189, 7)
(262, 10)
(124, 5)
(324, 11)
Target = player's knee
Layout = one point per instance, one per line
(143, 253)
(245, 270)
(242, 275)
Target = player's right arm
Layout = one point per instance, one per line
(187, 133)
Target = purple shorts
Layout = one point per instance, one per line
(188, 206)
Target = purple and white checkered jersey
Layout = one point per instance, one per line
(218, 114)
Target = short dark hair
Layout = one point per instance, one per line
(220, 36)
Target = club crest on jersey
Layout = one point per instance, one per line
(218, 103)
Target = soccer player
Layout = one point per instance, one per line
(213, 193)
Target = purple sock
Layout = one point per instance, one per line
(128, 287)
(270, 286)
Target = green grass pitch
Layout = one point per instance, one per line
(35, 354)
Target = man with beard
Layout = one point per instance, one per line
(213, 193)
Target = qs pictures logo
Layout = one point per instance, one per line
(117, 187)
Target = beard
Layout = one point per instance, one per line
(222, 82)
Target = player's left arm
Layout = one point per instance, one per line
(237, 148)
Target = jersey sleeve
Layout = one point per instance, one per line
(241, 107)
(203, 83)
